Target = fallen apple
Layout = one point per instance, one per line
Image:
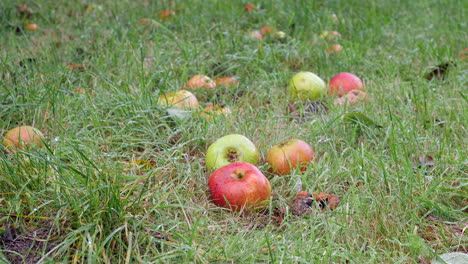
(215, 110)
(23, 137)
(166, 14)
(288, 155)
(31, 27)
(257, 34)
(334, 48)
(230, 149)
(345, 82)
(239, 186)
(200, 81)
(181, 99)
(307, 85)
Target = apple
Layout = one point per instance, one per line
(23, 136)
(31, 27)
(200, 81)
(181, 99)
(334, 48)
(257, 34)
(239, 186)
(214, 110)
(344, 82)
(230, 149)
(289, 155)
(307, 85)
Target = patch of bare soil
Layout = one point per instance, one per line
(26, 246)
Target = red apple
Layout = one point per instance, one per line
(345, 82)
(200, 81)
(23, 137)
(288, 155)
(239, 186)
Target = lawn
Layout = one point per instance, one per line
(122, 178)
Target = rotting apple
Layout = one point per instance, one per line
(239, 186)
(23, 137)
(181, 99)
(344, 82)
(307, 85)
(230, 149)
(288, 155)
(200, 81)
(214, 110)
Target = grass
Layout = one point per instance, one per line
(122, 182)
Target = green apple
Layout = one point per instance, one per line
(230, 149)
(307, 85)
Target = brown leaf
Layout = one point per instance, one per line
(250, 7)
(24, 11)
(440, 71)
(266, 250)
(76, 67)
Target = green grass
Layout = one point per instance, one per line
(99, 208)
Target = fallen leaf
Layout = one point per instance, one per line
(266, 250)
(166, 14)
(76, 67)
(250, 7)
(227, 81)
(24, 11)
(464, 53)
(440, 71)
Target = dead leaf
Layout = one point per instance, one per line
(76, 67)
(227, 81)
(440, 71)
(464, 53)
(24, 11)
(266, 250)
(250, 7)
(303, 202)
(166, 14)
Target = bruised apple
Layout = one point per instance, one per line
(289, 155)
(200, 81)
(181, 99)
(239, 186)
(307, 85)
(214, 110)
(23, 137)
(344, 82)
(230, 149)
